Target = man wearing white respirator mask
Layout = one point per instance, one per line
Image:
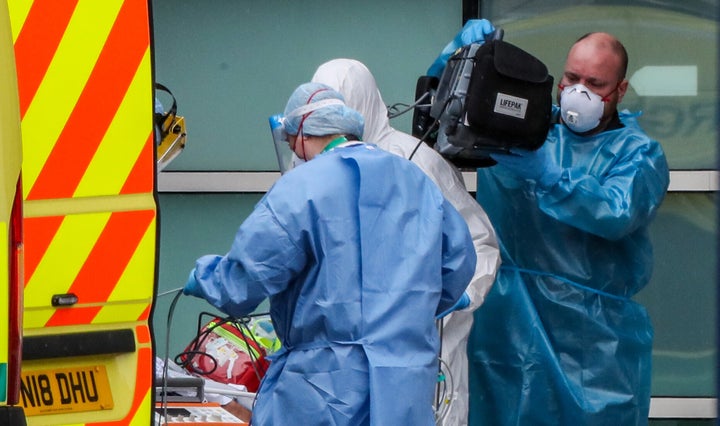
(559, 339)
(582, 108)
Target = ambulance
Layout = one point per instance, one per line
(87, 208)
(11, 222)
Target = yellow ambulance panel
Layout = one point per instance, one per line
(86, 105)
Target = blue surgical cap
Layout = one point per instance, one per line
(324, 110)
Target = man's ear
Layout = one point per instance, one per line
(622, 89)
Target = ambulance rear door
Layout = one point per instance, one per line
(86, 105)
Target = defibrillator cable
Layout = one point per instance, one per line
(393, 109)
(422, 139)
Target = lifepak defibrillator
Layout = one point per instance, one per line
(490, 98)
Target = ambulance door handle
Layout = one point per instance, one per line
(67, 299)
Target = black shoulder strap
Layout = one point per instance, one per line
(163, 120)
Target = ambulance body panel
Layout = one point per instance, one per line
(85, 89)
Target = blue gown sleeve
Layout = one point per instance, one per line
(615, 204)
(459, 258)
(261, 262)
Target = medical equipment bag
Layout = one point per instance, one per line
(227, 351)
(491, 97)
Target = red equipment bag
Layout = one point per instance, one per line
(226, 350)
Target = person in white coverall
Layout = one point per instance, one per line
(356, 83)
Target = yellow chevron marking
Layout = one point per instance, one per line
(64, 81)
(124, 139)
(19, 10)
(143, 413)
(64, 258)
(32, 320)
(133, 285)
(111, 312)
(140, 268)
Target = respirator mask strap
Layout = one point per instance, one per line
(604, 99)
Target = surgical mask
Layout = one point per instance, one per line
(580, 108)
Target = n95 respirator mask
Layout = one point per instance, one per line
(580, 108)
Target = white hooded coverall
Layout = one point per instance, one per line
(356, 83)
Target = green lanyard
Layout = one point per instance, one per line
(335, 142)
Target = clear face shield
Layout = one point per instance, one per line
(287, 159)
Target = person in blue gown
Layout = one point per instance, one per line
(358, 252)
(357, 84)
(559, 340)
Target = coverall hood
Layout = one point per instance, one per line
(355, 81)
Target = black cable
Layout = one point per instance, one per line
(409, 107)
(187, 362)
(434, 125)
(254, 360)
(430, 130)
(254, 352)
(439, 324)
(163, 397)
(200, 337)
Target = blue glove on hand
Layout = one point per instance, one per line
(474, 31)
(536, 165)
(462, 303)
(192, 287)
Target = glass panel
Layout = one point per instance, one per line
(191, 225)
(231, 64)
(681, 296)
(521, 9)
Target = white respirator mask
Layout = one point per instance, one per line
(580, 108)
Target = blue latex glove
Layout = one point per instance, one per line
(474, 31)
(462, 303)
(192, 287)
(536, 165)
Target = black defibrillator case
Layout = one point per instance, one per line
(490, 98)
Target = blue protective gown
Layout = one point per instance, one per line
(357, 250)
(559, 341)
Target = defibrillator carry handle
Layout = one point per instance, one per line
(498, 34)
(424, 126)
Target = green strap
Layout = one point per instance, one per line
(335, 142)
